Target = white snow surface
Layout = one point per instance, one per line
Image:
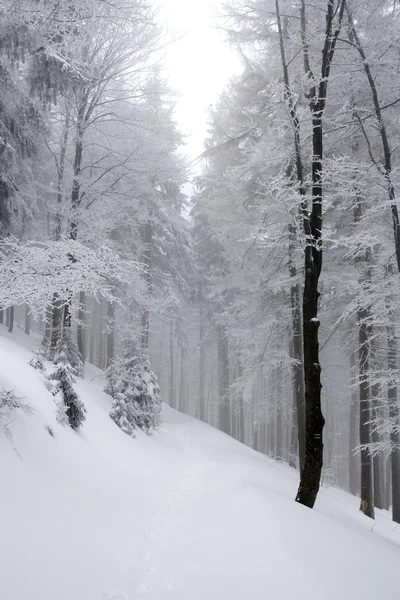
(187, 514)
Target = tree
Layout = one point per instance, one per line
(69, 365)
(135, 391)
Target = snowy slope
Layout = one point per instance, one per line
(188, 514)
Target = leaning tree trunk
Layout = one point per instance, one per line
(311, 473)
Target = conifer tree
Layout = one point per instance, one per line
(135, 391)
(69, 365)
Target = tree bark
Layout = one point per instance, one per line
(311, 473)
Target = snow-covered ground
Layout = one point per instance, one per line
(187, 514)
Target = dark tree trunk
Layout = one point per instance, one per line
(311, 473)
(11, 320)
(110, 333)
(81, 327)
(8, 317)
(223, 380)
(1, 316)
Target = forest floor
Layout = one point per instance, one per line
(187, 514)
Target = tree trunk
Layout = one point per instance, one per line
(394, 415)
(82, 325)
(171, 364)
(1, 316)
(11, 320)
(56, 324)
(27, 328)
(367, 495)
(182, 381)
(223, 380)
(147, 241)
(110, 333)
(311, 473)
(375, 438)
(354, 460)
(202, 357)
(47, 329)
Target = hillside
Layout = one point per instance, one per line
(187, 514)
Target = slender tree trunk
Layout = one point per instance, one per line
(1, 316)
(27, 328)
(93, 332)
(147, 241)
(81, 327)
(394, 415)
(171, 364)
(202, 358)
(47, 328)
(11, 320)
(298, 372)
(311, 473)
(182, 381)
(223, 380)
(354, 457)
(367, 495)
(8, 317)
(110, 333)
(56, 324)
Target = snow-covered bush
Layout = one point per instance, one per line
(8, 403)
(37, 363)
(135, 391)
(69, 364)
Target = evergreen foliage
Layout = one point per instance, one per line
(69, 364)
(135, 392)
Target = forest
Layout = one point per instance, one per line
(254, 288)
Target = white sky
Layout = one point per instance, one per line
(199, 65)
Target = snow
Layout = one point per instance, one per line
(187, 514)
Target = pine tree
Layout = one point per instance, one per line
(69, 364)
(135, 392)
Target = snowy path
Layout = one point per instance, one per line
(188, 514)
